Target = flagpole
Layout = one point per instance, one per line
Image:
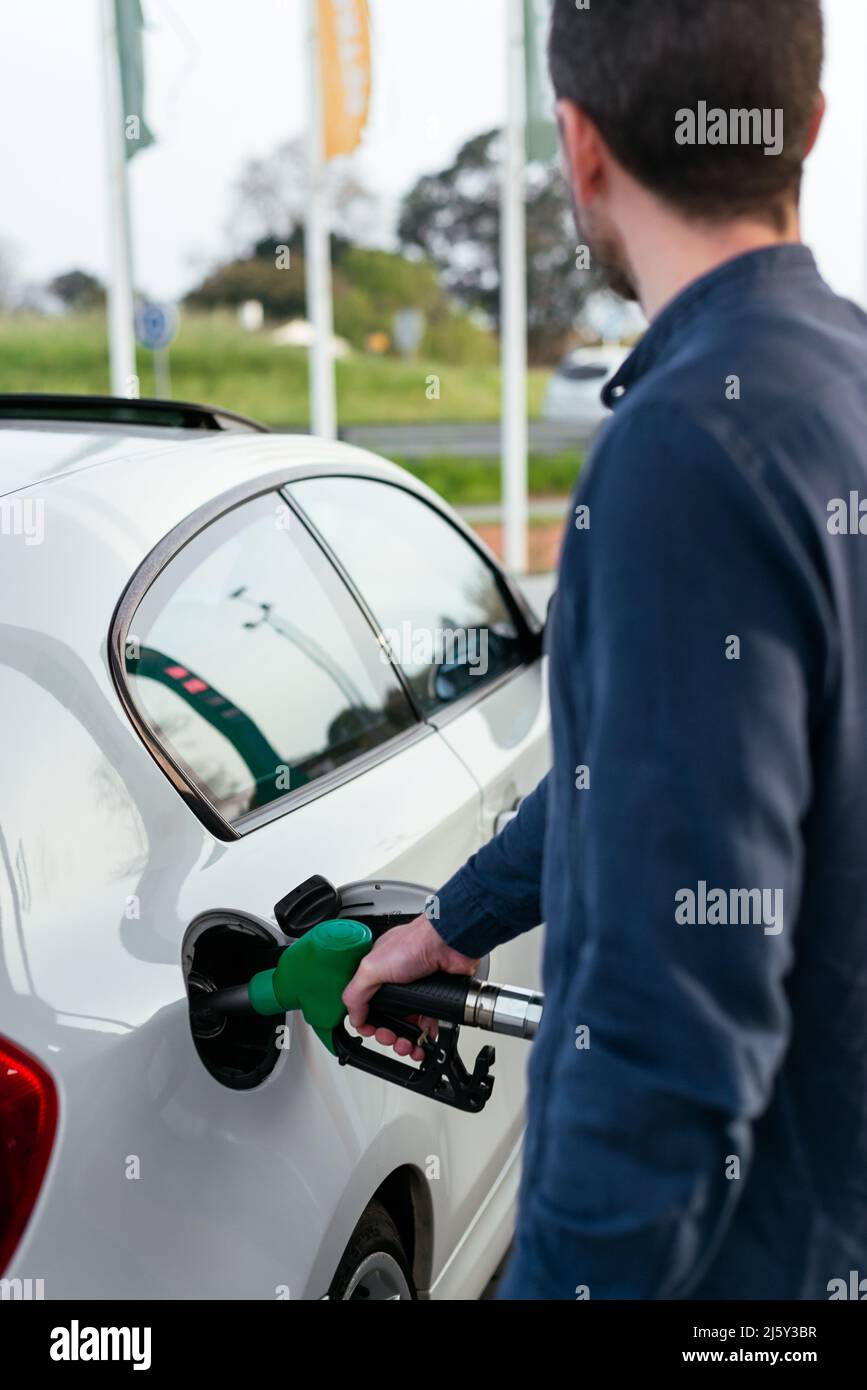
(317, 249)
(513, 301)
(121, 313)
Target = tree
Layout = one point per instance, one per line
(77, 290)
(267, 275)
(267, 230)
(270, 197)
(369, 288)
(454, 218)
(370, 285)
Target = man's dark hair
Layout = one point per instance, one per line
(631, 65)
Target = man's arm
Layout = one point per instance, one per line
(497, 893)
(493, 898)
(689, 619)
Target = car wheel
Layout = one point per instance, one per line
(374, 1267)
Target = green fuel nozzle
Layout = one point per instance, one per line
(311, 975)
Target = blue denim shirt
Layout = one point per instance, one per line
(697, 1120)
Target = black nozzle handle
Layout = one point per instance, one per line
(440, 996)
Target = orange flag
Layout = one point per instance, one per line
(344, 54)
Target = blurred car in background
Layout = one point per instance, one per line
(574, 394)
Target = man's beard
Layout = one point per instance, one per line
(607, 257)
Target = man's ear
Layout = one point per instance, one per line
(816, 122)
(583, 151)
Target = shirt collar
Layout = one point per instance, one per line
(763, 269)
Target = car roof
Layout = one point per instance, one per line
(35, 454)
(603, 352)
(124, 487)
(44, 436)
(114, 499)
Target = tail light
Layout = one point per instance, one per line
(28, 1119)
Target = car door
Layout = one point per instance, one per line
(259, 684)
(461, 638)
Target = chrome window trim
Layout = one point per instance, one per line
(251, 820)
(182, 778)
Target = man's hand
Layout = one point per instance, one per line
(400, 957)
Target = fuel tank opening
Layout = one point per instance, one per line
(239, 1051)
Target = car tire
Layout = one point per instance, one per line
(374, 1267)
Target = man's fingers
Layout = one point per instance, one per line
(408, 952)
(402, 1046)
(358, 993)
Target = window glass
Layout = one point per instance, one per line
(253, 664)
(435, 597)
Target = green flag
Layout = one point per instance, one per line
(128, 27)
(542, 142)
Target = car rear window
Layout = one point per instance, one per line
(253, 666)
(584, 371)
(443, 612)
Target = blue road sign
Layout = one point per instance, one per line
(155, 324)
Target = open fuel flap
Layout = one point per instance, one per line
(223, 949)
(242, 982)
(219, 949)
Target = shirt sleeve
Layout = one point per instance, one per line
(497, 893)
(698, 638)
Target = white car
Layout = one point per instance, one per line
(574, 393)
(216, 682)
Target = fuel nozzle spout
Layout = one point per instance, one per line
(503, 1009)
(458, 999)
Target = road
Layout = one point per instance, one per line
(462, 441)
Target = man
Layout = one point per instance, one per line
(697, 1119)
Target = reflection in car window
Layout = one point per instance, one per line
(254, 666)
(438, 602)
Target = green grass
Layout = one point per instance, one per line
(214, 362)
(466, 482)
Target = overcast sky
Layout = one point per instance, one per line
(226, 82)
